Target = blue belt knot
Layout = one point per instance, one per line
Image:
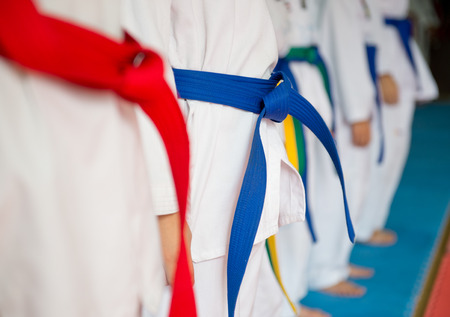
(276, 103)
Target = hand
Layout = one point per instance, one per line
(389, 89)
(169, 228)
(361, 133)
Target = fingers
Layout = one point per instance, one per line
(361, 133)
(361, 140)
(389, 89)
(390, 95)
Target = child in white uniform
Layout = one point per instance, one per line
(78, 236)
(348, 26)
(415, 83)
(230, 37)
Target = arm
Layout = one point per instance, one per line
(354, 85)
(170, 241)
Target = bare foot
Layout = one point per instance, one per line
(345, 289)
(311, 312)
(383, 238)
(359, 272)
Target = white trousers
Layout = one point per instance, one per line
(385, 176)
(269, 297)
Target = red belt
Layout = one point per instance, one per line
(88, 59)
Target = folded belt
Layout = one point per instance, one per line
(272, 99)
(86, 58)
(307, 55)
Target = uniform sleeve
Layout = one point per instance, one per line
(427, 86)
(349, 58)
(162, 188)
(154, 33)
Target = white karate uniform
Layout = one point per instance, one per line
(77, 235)
(231, 37)
(294, 241)
(345, 31)
(397, 120)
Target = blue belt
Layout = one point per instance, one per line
(404, 29)
(272, 99)
(312, 56)
(371, 58)
(283, 66)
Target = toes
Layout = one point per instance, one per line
(383, 238)
(311, 312)
(358, 272)
(345, 289)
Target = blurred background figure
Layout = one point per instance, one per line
(439, 49)
(348, 29)
(419, 208)
(426, 22)
(412, 82)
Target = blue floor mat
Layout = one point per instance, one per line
(418, 215)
